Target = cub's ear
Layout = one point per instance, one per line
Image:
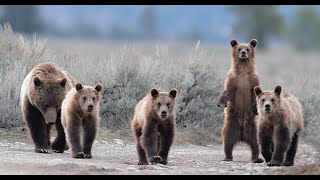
(154, 92)
(173, 93)
(98, 87)
(277, 90)
(257, 90)
(63, 82)
(78, 86)
(253, 42)
(233, 43)
(37, 81)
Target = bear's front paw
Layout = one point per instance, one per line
(78, 155)
(258, 160)
(222, 102)
(41, 150)
(274, 163)
(58, 151)
(88, 156)
(155, 159)
(164, 162)
(288, 164)
(228, 159)
(143, 163)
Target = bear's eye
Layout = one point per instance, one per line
(247, 49)
(159, 104)
(272, 100)
(93, 98)
(263, 100)
(84, 98)
(168, 104)
(239, 50)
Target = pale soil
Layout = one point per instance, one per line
(118, 157)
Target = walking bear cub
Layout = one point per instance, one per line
(239, 100)
(280, 123)
(80, 118)
(153, 126)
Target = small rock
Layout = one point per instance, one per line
(118, 141)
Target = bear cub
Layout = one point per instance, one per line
(280, 123)
(153, 126)
(80, 118)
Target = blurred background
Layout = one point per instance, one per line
(297, 26)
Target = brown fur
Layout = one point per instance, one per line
(80, 113)
(42, 93)
(239, 99)
(154, 134)
(280, 123)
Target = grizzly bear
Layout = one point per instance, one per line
(153, 126)
(280, 123)
(80, 118)
(41, 96)
(238, 98)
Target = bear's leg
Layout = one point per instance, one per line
(38, 128)
(281, 145)
(230, 136)
(59, 144)
(292, 151)
(166, 140)
(149, 142)
(266, 144)
(140, 151)
(250, 137)
(73, 137)
(89, 135)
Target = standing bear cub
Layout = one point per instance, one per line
(153, 126)
(80, 116)
(280, 125)
(239, 99)
(41, 96)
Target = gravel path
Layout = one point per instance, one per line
(117, 157)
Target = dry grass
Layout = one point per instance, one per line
(129, 71)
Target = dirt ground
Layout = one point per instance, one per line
(115, 156)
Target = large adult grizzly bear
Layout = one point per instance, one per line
(80, 116)
(153, 126)
(239, 99)
(41, 96)
(280, 123)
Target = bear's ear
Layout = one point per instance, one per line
(277, 90)
(36, 81)
(154, 92)
(63, 82)
(253, 42)
(257, 90)
(233, 43)
(78, 86)
(173, 93)
(98, 87)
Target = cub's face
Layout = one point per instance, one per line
(267, 101)
(243, 51)
(89, 97)
(48, 97)
(164, 103)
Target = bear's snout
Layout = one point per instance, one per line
(50, 116)
(267, 108)
(90, 108)
(163, 114)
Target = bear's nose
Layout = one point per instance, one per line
(267, 106)
(90, 108)
(163, 114)
(51, 123)
(243, 53)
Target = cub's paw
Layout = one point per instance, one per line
(274, 163)
(88, 156)
(143, 163)
(288, 164)
(40, 150)
(164, 162)
(222, 102)
(58, 151)
(155, 159)
(78, 155)
(259, 160)
(228, 159)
